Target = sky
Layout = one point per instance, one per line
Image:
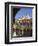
(24, 12)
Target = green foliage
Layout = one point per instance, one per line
(18, 27)
(21, 27)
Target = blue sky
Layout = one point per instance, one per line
(24, 12)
